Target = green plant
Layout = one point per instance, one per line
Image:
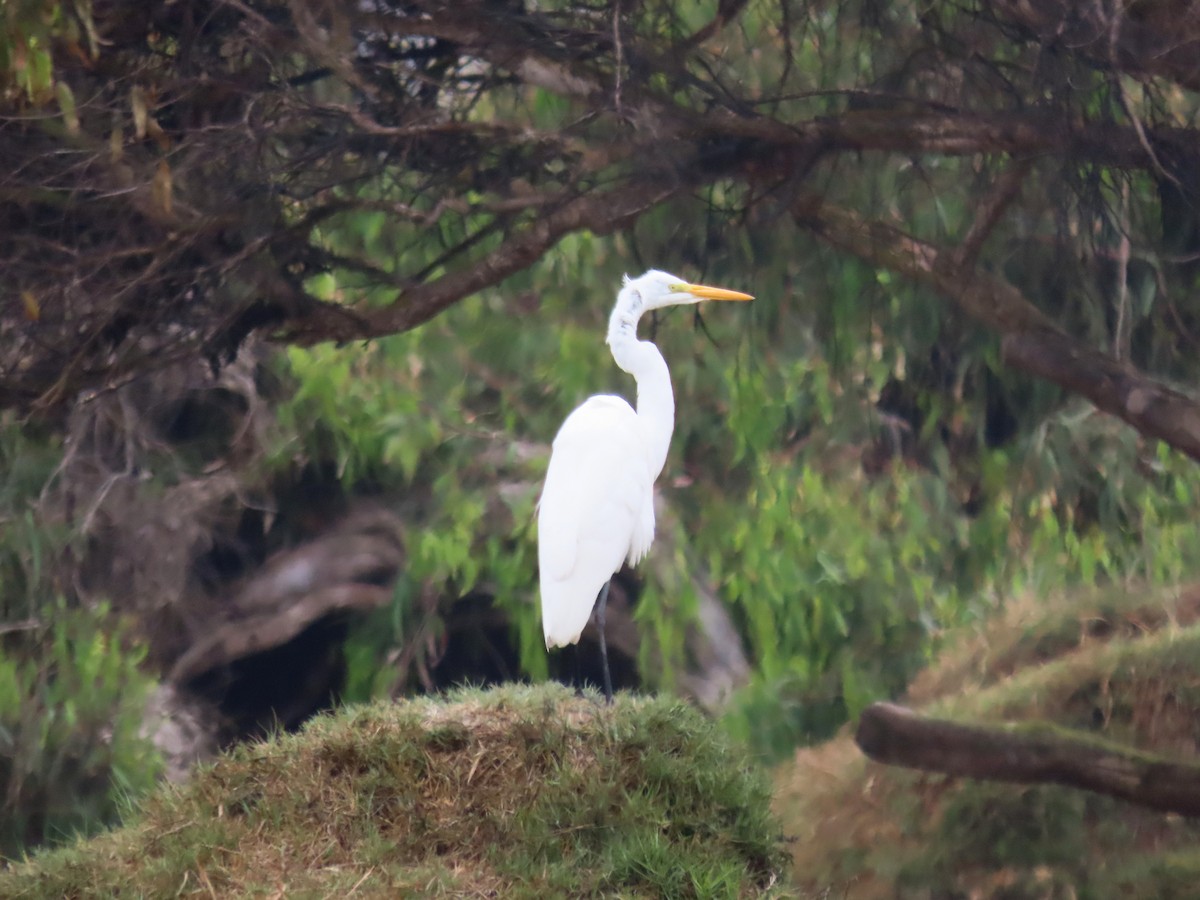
(841, 580)
(72, 697)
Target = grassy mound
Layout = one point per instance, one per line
(516, 792)
(1122, 666)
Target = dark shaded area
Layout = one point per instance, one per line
(279, 688)
(479, 649)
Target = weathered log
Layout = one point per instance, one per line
(1027, 753)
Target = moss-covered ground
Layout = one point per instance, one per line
(514, 792)
(1122, 665)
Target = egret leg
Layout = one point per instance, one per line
(601, 602)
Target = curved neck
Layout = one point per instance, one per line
(641, 359)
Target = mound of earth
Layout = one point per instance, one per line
(512, 792)
(1118, 669)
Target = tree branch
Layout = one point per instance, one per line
(599, 212)
(1161, 41)
(944, 132)
(1031, 341)
(1150, 406)
(1028, 754)
(990, 211)
(906, 129)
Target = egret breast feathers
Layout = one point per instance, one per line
(596, 511)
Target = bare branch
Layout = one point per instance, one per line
(1031, 341)
(989, 213)
(727, 11)
(1163, 41)
(599, 212)
(420, 111)
(1029, 754)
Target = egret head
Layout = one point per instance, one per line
(657, 289)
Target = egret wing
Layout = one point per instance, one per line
(643, 531)
(592, 506)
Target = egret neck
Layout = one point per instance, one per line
(641, 359)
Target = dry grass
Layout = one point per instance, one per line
(518, 792)
(1032, 630)
(1122, 667)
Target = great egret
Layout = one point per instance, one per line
(597, 506)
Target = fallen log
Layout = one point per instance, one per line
(1028, 753)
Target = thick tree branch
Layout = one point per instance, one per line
(599, 212)
(1028, 754)
(1020, 135)
(1151, 407)
(1031, 341)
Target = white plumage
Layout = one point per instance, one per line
(597, 511)
(597, 506)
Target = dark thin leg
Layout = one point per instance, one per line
(600, 604)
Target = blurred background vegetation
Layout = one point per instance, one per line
(843, 537)
(855, 471)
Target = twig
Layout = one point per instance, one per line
(1114, 31)
(24, 625)
(619, 53)
(1003, 192)
(1123, 326)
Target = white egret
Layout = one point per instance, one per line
(597, 506)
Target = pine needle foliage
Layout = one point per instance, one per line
(515, 792)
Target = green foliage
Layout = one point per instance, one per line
(846, 583)
(72, 693)
(412, 417)
(29, 547)
(853, 467)
(517, 792)
(353, 410)
(72, 698)
(841, 585)
(841, 579)
(28, 30)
